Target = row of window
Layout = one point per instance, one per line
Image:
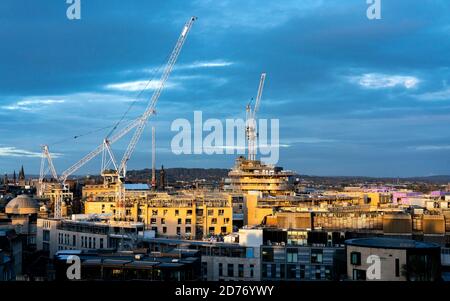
(220, 212)
(64, 239)
(292, 271)
(240, 270)
(188, 230)
(187, 221)
(292, 255)
(86, 241)
(91, 242)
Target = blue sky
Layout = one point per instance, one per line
(354, 96)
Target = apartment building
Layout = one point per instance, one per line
(86, 232)
(182, 215)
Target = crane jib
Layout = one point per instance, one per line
(138, 123)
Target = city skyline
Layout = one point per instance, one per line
(354, 96)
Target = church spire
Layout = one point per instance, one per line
(21, 174)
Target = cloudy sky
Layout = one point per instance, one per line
(354, 96)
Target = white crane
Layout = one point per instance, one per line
(43, 171)
(137, 124)
(251, 121)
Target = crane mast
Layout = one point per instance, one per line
(45, 157)
(153, 158)
(251, 120)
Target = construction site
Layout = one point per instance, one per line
(259, 222)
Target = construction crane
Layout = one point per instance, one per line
(137, 124)
(251, 121)
(45, 157)
(153, 158)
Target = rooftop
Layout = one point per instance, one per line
(390, 243)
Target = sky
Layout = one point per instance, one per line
(353, 96)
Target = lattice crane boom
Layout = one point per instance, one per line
(251, 120)
(151, 107)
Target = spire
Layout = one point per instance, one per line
(162, 178)
(21, 174)
(14, 177)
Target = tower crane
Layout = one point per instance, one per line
(138, 125)
(45, 157)
(251, 121)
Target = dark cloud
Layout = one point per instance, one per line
(314, 53)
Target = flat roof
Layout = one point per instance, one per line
(390, 243)
(205, 243)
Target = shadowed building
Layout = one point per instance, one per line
(400, 259)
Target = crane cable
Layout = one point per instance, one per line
(113, 127)
(157, 71)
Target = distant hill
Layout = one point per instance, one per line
(180, 174)
(438, 179)
(216, 174)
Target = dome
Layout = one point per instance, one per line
(22, 204)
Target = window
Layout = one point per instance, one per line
(74, 240)
(163, 221)
(214, 221)
(177, 212)
(359, 274)
(189, 212)
(178, 230)
(188, 221)
(264, 270)
(230, 270)
(328, 274)
(45, 235)
(204, 269)
(302, 272)
(267, 254)
(316, 256)
(101, 243)
(211, 230)
(252, 270)
(292, 255)
(226, 220)
(188, 230)
(90, 242)
(154, 212)
(164, 230)
(94, 243)
(220, 269)
(180, 221)
(397, 267)
(221, 212)
(165, 212)
(355, 258)
(210, 211)
(240, 270)
(153, 220)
